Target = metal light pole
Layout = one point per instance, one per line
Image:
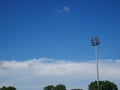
(95, 42)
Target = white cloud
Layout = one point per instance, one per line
(37, 73)
(65, 9)
(118, 61)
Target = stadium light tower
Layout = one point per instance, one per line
(95, 42)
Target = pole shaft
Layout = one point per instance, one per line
(97, 66)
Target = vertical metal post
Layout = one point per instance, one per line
(95, 42)
(96, 50)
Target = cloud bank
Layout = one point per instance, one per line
(37, 73)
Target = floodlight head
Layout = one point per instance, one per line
(95, 41)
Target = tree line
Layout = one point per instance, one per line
(57, 87)
(103, 85)
(8, 88)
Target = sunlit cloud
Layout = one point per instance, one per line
(45, 71)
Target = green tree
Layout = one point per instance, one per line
(49, 87)
(3, 88)
(11, 88)
(103, 85)
(8, 88)
(60, 87)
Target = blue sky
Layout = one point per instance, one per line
(59, 29)
(34, 29)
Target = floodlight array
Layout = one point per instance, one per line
(95, 41)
